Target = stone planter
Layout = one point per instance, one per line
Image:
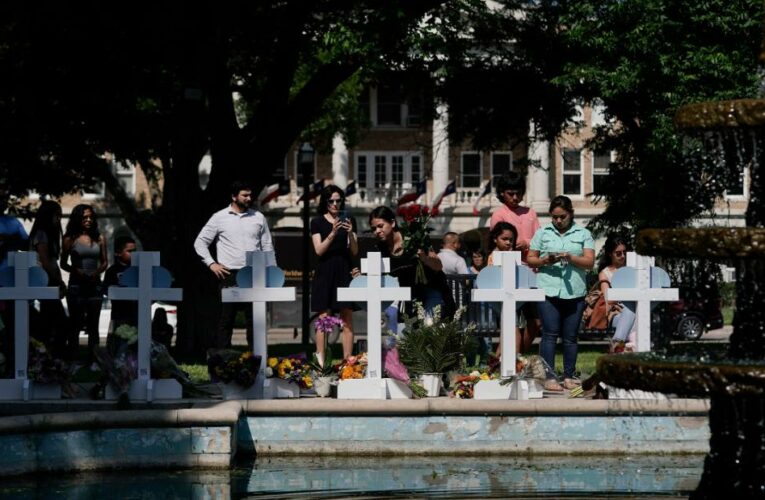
(432, 382)
(323, 386)
(232, 390)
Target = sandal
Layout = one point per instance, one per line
(571, 383)
(552, 385)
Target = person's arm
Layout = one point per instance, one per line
(104, 259)
(202, 246)
(321, 246)
(66, 248)
(47, 263)
(353, 242)
(585, 261)
(462, 267)
(431, 260)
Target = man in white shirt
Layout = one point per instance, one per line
(236, 230)
(452, 261)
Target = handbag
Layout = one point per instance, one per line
(595, 314)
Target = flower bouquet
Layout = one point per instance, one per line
(353, 367)
(43, 367)
(293, 368)
(463, 385)
(416, 233)
(232, 366)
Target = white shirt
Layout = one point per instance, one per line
(234, 234)
(453, 263)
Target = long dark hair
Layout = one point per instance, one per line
(326, 194)
(613, 241)
(74, 226)
(384, 213)
(45, 222)
(498, 229)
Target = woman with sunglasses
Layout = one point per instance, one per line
(563, 251)
(615, 256)
(334, 239)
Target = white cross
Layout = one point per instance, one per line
(642, 283)
(29, 281)
(144, 292)
(374, 294)
(257, 291)
(508, 291)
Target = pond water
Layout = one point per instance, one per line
(410, 477)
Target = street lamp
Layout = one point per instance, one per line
(305, 162)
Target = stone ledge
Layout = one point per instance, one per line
(449, 406)
(226, 413)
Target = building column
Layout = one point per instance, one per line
(538, 180)
(440, 149)
(339, 162)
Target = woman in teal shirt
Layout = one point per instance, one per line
(563, 252)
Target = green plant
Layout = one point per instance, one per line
(434, 344)
(328, 368)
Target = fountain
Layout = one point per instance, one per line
(735, 464)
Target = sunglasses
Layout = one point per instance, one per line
(334, 202)
(619, 253)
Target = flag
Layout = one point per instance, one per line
(313, 191)
(420, 189)
(484, 191)
(450, 188)
(273, 191)
(350, 189)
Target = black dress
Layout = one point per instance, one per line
(334, 268)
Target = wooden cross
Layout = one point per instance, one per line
(509, 283)
(642, 283)
(374, 290)
(145, 281)
(23, 280)
(259, 283)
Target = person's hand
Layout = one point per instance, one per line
(219, 270)
(355, 272)
(549, 259)
(346, 224)
(564, 257)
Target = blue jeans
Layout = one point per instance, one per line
(560, 318)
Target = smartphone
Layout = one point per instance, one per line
(343, 215)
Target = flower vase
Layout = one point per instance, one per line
(323, 386)
(432, 383)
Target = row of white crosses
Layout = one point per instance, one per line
(508, 284)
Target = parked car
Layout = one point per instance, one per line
(693, 315)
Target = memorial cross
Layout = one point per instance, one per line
(23, 280)
(374, 290)
(643, 284)
(509, 283)
(145, 281)
(259, 283)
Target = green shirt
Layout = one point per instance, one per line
(558, 280)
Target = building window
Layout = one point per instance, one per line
(739, 188)
(572, 172)
(470, 170)
(398, 170)
(600, 163)
(388, 105)
(125, 173)
(361, 171)
(501, 163)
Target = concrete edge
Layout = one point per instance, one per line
(226, 413)
(450, 406)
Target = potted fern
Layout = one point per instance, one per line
(430, 346)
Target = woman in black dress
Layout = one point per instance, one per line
(334, 239)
